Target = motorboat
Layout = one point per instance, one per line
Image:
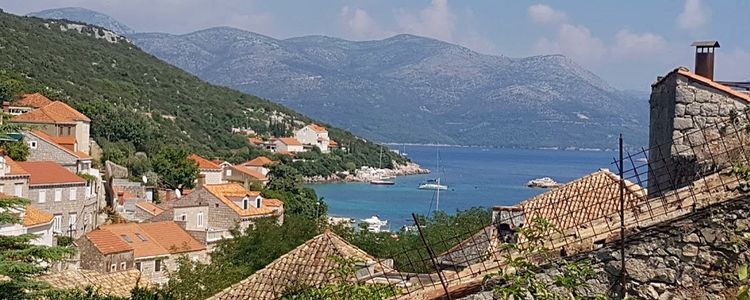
(375, 224)
(544, 182)
(433, 185)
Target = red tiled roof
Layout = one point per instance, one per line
(289, 141)
(260, 161)
(171, 237)
(107, 242)
(55, 141)
(34, 216)
(255, 140)
(203, 163)
(35, 100)
(47, 172)
(55, 112)
(152, 239)
(317, 128)
(332, 143)
(713, 84)
(273, 202)
(149, 207)
(252, 173)
(223, 191)
(15, 168)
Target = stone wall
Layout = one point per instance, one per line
(686, 120)
(694, 257)
(83, 207)
(46, 151)
(92, 259)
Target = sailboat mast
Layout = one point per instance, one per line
(437, 202)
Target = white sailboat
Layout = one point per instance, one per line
(434, 184)
(382, 180)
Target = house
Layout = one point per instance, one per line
(259, 164)
(118, 284)
(65, 195)
(245, 175)
(208, 171)
(44, 147)
(34, 221)
(211, 211)
(314, 135)
(145, 210)
(287, 145)
(26, 103)
(151, 248)
(577, 210)
(310, 264)
(59, 120)
(255, 141)
(14, 180)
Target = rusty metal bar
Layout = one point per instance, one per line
(622, 223)
(432, 256)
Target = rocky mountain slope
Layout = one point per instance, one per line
(84, 15)
(414, 89)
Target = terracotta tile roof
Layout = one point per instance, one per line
(332, 143)
(307, 265)
(260, 161)
(34, 217)
(35, 100)
(317, 128)
(172, 237)
(204, 164)
(15, 168)
(129, 234)
(107, 242)
(149, 207)
(685, 72)
(252, 173)
(114, 284)
(583, 200)
(255, 140)
(224, 191)
(55, 141)
(55, 112)
(273, 202)
(289, 141)
(49, 173)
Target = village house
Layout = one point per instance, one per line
(314, 135)
(244, 175)
(44, 147)
(255, 141)
(25, 103)
(208, 171)
(62, 193)
(259, 164)
(210, 211)
(288, 145)
(151, 248)
(14, 180)
(34, 221)
(61, 121)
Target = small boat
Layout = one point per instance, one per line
(433, 185)
(375, 224)
(544, 182)
(382, 181)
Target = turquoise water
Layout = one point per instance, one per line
(475, 176)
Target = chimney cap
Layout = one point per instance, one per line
(714, 44)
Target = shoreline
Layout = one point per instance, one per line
(367, 174)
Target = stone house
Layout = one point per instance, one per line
(314, 135)
(208, 171)
(151, 248)
(259, 164)
(44, 147)
(62, 193)
(244, 175)
(59, 120)
(34, 221)
(26, 103)
(686, 108)
(145, 210)
(14, 180)
(288, 145)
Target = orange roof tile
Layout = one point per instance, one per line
(172, 237)
(131, 233)
(203, 163)
(55, 141)
(47, 172)
(223, 191)
(55, 112)
(149, 207)
(273, 202)
(332, 143)
(35, 100)
(713, 84)
(15, 168)
(252, 173)
(317, 128)
(34, 216)
(255, 140)
(289, 141)
(260, 161)
(107, 242)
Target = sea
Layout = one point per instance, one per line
(476, 177)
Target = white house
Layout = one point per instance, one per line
(288, 145)
(314, 135)
(33, 220)
(209, 172)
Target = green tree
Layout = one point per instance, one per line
(5, 93)
(21, 261)
(17, 151)
(174, 168)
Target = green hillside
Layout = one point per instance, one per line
(130, 95)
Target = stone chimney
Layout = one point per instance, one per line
(506, 219)
(704, 58)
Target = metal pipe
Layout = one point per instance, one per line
(432, 256)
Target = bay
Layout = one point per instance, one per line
(477, 177)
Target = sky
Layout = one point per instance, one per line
(627, 43)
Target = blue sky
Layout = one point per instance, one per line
(628, 43)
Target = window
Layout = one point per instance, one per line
(229, 172)
(18, 190)
(42, 196)
(200, 219)
(257, 202)
(245, 203)
(123, 266)
(56, 223)
(58, 195)
(157, 265)
(141, 237)
(183, 217)
(138, 266)
(72, 195)
(113, 268)
(32, 144)
(72, 220)
(126, 238)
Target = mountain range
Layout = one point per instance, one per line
(409, 88)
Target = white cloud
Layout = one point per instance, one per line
(632, 44)
(574, 41)
(544, 14)
(436, 21)
(358, 24)
(693, 16)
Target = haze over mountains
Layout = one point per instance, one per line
(409, 88)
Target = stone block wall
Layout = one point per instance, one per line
(92, 259)
(83, 207)
(46, 151)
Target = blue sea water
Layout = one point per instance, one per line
(476, 177)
